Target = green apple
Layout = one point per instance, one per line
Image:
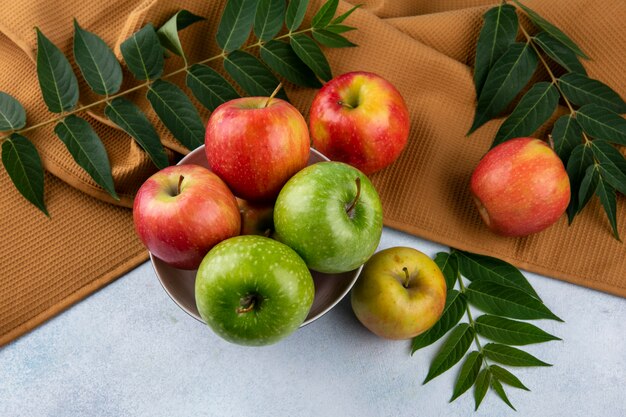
(331, 215)
(400, 293)
(252, 290)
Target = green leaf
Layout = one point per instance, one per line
(486, 268)
(57, 81)
(606, 153)
(12, 113)
(507, 377)
(129, 117)
(566, 135)
(251, 74)
(168, 33)
(325, 14)
(87, 150)
(295, 13)
(469, 373)
(606, 194)
(143, 54)
(497, 34)
(561, 54)
(588, 185)
(449, 267)
(339, 19)
(268, 19)
(552, 30)
(504, 301)
(339, 28)
(23, 164)
(177, 113)
(311, 54)
(235, 24)
(581, 90)
(280, 57)
(452, 313)
(580, 158)
(481, 387)
(509, 331)
(506, 78)
(613, 176)
(209, 87)
(602, 123)
(330, 39)
(499, 389)
(96, 61)
(511, 356)
(535, 107)
(451, 351)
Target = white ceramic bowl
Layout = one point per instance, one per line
(179, 284)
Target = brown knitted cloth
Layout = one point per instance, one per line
(425, 48)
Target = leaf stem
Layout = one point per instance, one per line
(472, 323)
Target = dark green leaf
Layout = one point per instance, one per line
(295, 13)
(467, 376)
(497, 34)
(280, 57)
(21, 161)
(581, 90)
(269, 18)
(588, 185)
(449, 267)
(143, 54)
(12, 113)
(509, 331)
(481, 387)
(235, 25)
(613, 176)
(566, 134)
(507, 377)
(535, 107)
(507, 301)
(87, 150)
(552, 30)
(325, 14)
(330, 39)
(606, 153)
(57, 81)
(506, 78)
(577, 164)
(499, 389)
(96, 61)
(129, 117)
(339, 28)
(251, 74)
(486, 268)
(606, 194)
(209, 87)
(339, 19)
(511, 356)
(168, 33)
(561, 54)
(452, 313)
(602, 123)
(177, 113)
(451, 351)
(311, 55)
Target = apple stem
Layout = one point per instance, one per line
(180, 181)
(268, 232)
(247, 304)
(407, 277)
(356, 198)
(344, 104)
(276, 90)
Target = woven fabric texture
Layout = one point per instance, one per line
(425, 48)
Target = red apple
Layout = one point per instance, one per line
(183, 211)
(361, 119)
(256, 144)
(256, 218)
(520, 187)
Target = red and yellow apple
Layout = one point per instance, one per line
(361, 119)
(182, 211)
(256, 218)
(400, 293)
(520, 187)
(255, 144)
